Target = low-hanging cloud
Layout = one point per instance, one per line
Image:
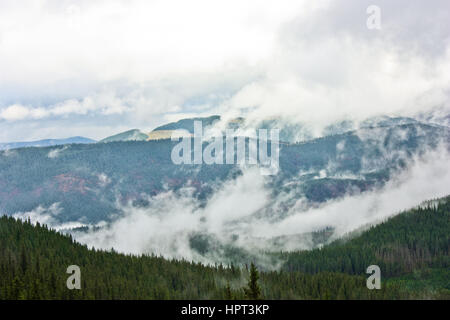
(48, 216)
(244, 214)
(54, 153)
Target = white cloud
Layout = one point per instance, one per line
(243, 213)
(313, 62)
(103, 179)
(103, 103)
(427, 177)
(320, 82)
(19, 112)
(47, 216)
(139, 40)
(54, 153)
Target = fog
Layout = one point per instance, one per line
(243, 213)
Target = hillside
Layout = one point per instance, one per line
(416, 239)
(130, 135)
(188, 124)
(89, 180)
(33, 261)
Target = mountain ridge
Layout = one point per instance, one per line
(45, 143)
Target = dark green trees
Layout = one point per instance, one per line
(412, 250)
(253, 291)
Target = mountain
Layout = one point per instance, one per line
(168, 134)
(130, 135)
(188, 124)
(298, 132)
(414, 239)
(162, 132)
(45, 143)
(86, 187)
(289, 132)
(411, 250)
(89, 181)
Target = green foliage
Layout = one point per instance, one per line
(411, 249)
(33, 263)
(415, 239)
(253, 291)
(228, 293)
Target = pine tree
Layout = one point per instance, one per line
(228, 293)
(253, 291)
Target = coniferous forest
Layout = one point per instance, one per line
(411, 249)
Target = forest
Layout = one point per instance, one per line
(411, 248)
(71, 175)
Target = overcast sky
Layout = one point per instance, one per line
(94, 68)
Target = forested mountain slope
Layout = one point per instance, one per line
(414, 244)
(415, 239)
(89, 181)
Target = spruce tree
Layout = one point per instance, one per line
(253, 291)
(228, 293)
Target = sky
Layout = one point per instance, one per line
(96, 68)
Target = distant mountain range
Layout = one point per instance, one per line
(289, 132)
(45, 143)
(162, 132)
(89, 184)
(87, 180)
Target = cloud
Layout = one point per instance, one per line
(104, 103)
(48, 216)
(54, 153)
(103, 179)
(9, 153)
(140, 40)
(245, 214)
(18, 112)
(132, 64)
(328, 66)
(166, 226)
(426, 178)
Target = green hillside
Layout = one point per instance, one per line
(416, 239)
(188, 124)
(130, 135)
(411, 249)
